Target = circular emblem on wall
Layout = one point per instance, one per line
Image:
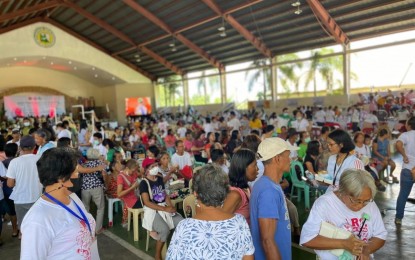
(44, 37)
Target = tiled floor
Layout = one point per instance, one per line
(117, 242)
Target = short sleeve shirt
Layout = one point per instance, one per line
(92, 180)
(268, 201)
(200, 239)
(157, 189)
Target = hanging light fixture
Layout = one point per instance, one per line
(222, 29)
(172, 45)
(297, 4)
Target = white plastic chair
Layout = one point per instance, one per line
(111, 202)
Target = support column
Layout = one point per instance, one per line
(222, 76)
(185, 91)
(274, 80)
(346, 71)
(155, 94)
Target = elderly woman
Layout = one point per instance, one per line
(58, 216)
(351, 209)
(213, 233)
(93, 187)
(159, 213)
(341, 146)
(42, 138)
(243, 169)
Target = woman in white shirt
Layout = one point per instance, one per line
(341, 146)
(300, 123)
(353, 211)
(58, 216)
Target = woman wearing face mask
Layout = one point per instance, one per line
(302, 144)
(159, 213)
(58, 216)
(300, 124)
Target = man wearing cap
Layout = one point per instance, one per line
(270, 222)
(23, 177)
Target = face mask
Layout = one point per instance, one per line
(117, 139)
(299, 118)
(307, 139)
(285, 114)
(154, 171)
(77, 184)
(26, 124)
(96, 142)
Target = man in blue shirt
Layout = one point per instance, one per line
(270, 222)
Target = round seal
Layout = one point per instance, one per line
(44, 37)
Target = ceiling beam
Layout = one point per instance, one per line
(117, 33)
(157, 21)
(191, 26)
(255, 41)
(19, 25)
(28, 10)
(323, 15)
(86, 40)
(162, 60)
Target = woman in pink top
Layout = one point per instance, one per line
(170, 141)
(127, 183)
(243, 169)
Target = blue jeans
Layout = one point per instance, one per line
(406, 186)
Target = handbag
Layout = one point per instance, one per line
(136, 191)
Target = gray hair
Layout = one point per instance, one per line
(45, 134)
(211, 185)
(92, 154)
(353, 181)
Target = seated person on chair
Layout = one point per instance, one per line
(127, 182)
(160, 215)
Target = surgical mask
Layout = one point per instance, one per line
(307, 139)
(96, 142)
(285, 114)
(26, 124)
(299, 118)
(154, 171)
(77, 184)
(118, 138)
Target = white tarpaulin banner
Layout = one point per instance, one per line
(33, 105)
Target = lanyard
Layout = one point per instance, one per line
(83, 218)
(335, 166)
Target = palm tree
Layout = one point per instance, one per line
(288, 72)
(255, 75)
(171, 85)
(326, 67)
(203, 82)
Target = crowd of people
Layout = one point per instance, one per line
(51, 174)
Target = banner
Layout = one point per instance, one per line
(34, 105)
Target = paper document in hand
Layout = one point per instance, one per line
(320, 178)
(330, 231)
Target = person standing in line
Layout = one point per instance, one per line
(270, 222)
(23, 177)
(405, 145)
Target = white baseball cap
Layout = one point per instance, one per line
(273, 146)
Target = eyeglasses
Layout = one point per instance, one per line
(356, 202)
(333, 144)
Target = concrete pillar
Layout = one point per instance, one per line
(185, 91)
(274, 83)
(346, 71)
(222, 80)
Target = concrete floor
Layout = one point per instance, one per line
(117, 242)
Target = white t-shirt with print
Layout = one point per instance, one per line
(27, 187)
(341, 216)
(408, 140)
(300, 126)
(51, 232)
